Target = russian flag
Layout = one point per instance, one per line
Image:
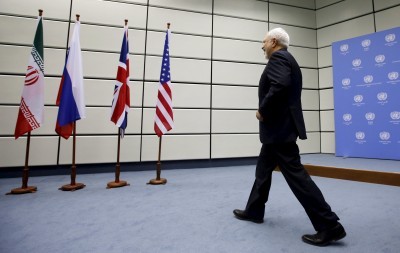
(70, 97)
(121, 101)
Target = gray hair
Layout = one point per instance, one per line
(281, 36)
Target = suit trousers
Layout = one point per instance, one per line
(287, 157)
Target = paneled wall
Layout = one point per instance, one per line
(216, 62)
(338, 20)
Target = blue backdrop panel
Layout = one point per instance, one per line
(366, 88)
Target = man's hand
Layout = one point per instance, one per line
(259, 117)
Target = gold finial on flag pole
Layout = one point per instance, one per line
(40, 12)
(77, 17)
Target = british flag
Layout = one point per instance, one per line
(164, 120)
(121, 101)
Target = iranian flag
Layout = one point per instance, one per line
(30, 114)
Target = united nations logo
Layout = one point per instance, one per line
(382, 96)
(395, 115)
(344, 47)
(366, 43)
(347, 117)
(380, 58)
(390, 37)
(358, 98)
(370, 116)
(346, 81)
(384, 136)
(368, 79)
(360, 135)
(393, 75)
(356, 62)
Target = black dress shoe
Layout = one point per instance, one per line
(323, 238)
(241, 215)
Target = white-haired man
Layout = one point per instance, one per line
(281, 123)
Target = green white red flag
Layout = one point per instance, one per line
(31, 110)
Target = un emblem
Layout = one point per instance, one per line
(346, 81)
(358, 98)
(390, 37)
(395, 115)
(360, 135)
(393, 75)
(384, 136)
(366, 43)
(344, 47)
(370, 116)
(356, 62)
(382, 96)
(368, 79)
(380, 58)
(347, 117)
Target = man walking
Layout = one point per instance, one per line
(281, 123)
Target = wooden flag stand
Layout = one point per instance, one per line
(158, 180)
(25, 188)
(73, 185)
(117, 182)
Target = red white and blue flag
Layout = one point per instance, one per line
(121, 101)
(30, 115)
(164, 120)
(70, 97)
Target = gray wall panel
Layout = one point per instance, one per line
(383, 4)
(342, 11)
(231, 121)
(236, 50)
(235, 97)
(292, 16)
(235, 145)
(237, 73)
(239, 28)
(346, 30)
(193, 5)
(242, 8)
(184, 22)
(136, 14)
(181, 45)
(387, 19)
(51, 9)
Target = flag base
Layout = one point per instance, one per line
(114, 184)
(72, 187)
(28, 189)
(157, 181)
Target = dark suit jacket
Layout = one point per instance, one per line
(279, 94)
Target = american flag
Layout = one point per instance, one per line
(121, 102)
(164, 120)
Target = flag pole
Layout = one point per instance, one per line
(25, 174)
(73, 185)
(25, 188)
(117, 182)
(158, 179)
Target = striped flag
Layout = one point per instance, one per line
(121, 101)
(164, 120)
(31, 110)
(70, 97)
